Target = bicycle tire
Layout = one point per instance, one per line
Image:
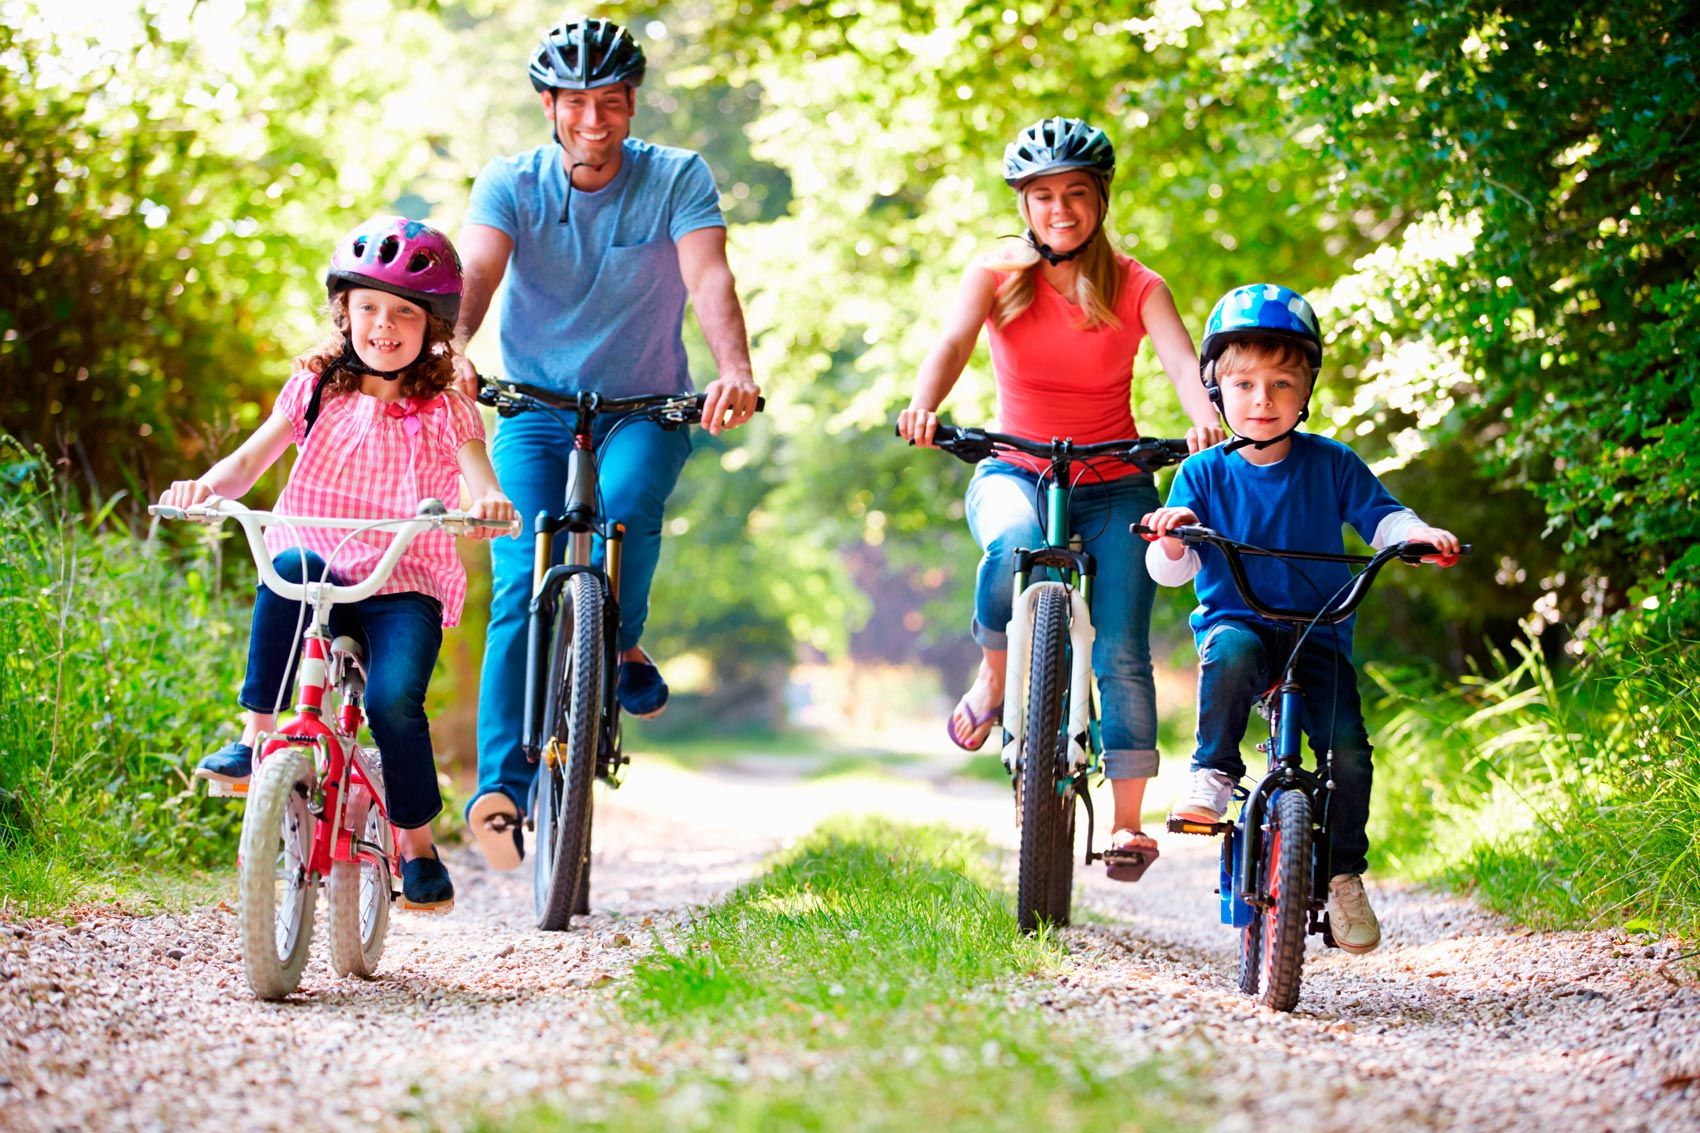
(1062, 866)
(1041, 812)
(275, 895)
(574, 728)
(358, 896)
(1288, 856)
(1251, 954)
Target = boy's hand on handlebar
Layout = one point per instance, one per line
(493, 506)
(918, 426)
(1164, 520)
(186, 494)
(728, 403)
(1201, 437)
(1441, 539)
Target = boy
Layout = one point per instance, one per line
(1273, 486)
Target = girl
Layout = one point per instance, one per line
(1065, 313)
(378, 429)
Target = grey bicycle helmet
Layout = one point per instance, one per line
(583, 54)
(1056, 145)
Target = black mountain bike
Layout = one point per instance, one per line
(572, 719)
(1276, 858)
(1052, 744)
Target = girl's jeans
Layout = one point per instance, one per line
(1238, 660)
(400, 634)
(1003, 515)
(637, 472)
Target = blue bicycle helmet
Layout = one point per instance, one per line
(1259, 312)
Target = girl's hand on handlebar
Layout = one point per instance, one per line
(918, 426)
(1201, 437)
(187, 493)
(493, 506)
(1165, 520)
(1444, 540)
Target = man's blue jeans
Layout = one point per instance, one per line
(401, 634)
(1238, 660)
(1003, 515)
(638, 470)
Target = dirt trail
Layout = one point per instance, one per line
(1459, 1022)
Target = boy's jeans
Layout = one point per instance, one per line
(1003, 516)
(401, 634)
(1237, 661)
(636, 474)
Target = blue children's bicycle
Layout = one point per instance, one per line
(1276, 855)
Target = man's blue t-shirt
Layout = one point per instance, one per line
(1297, 504)
(598, 302)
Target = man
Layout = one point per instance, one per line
(606, 236)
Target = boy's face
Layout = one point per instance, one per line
(1262, 401)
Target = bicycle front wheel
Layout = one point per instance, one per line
(1287, 854)
(573, 715)
(275, 893)
(1041, 805)
(358, 896)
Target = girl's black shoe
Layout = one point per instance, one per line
(425, 885)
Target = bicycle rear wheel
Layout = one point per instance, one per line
(1041, 806)
(573, 715)
(1287, 854)
(357, 897)
(275, 895)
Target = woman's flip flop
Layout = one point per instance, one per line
(1130, 860)
(991, 719)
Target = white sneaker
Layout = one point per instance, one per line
(1350, 918)
(1206, 798)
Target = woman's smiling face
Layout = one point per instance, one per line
(1063, 209)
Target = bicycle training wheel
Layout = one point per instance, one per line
(358, 895)
(1041, 806)
(275, 895)
(573, 713)
(1287, 853)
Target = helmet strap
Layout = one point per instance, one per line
(1053, 257)
(351, 361)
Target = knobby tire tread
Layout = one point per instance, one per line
(1284, 927)
(270, 794)
(355, 951)
(575, 708)
(1041, 808)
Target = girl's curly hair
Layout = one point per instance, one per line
(429, 374)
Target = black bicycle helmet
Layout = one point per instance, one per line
(1056, 145)
(582, 54)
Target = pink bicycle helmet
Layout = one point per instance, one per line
(404, 257)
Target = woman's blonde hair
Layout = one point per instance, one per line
(1097, 284)
(428, 375)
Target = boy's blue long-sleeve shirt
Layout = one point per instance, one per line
(1300, 503)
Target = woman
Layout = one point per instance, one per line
(1066, 313)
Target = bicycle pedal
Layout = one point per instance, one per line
(218, 790)
(1188, 826)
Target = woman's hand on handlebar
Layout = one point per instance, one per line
(1441, 539)
(1164, 520)
(1201, 437)
(186, 494)
(493, 505)
(918, 426)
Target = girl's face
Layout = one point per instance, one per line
(1063, 209)
(387, 331)
(1262, 401)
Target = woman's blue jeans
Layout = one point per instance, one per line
(1238, 660)
(400, 634)
(637, 472)
(1004, 505)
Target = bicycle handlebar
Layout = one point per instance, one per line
(511, 398)
(973, 445)
(1193, 534)
(433, 515)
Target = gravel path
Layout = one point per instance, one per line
(1459, 1022)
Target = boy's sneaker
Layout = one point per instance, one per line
(1350, 918)
(425, 885)
(1207, 796)
(230, 764)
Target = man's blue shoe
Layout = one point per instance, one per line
(640, 689)
(230, 764)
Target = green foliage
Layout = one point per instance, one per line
(108, 650)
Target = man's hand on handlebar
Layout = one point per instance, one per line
(466, 374)
(918, 426)
(729, 402)
(1164, 520)
(1442, 540)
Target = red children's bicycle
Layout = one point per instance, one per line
(315, 813)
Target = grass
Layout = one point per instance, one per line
(862, 984)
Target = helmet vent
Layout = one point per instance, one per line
(419, 261)
(360, 247)
(387, 249)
